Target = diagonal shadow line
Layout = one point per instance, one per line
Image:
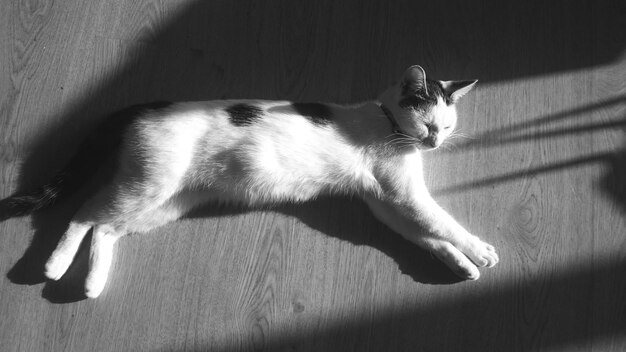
(588, 128)
(600, 157)
(487, 139)
(561, 115)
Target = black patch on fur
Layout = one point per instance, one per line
(419, 100)
(318, 113)
(437, 89)
(244, 114)
(99, 146)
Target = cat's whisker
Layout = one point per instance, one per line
(411, 142)
(449, 142)
(392, 141)
(447, 146)
(460, 135)
(402, 140)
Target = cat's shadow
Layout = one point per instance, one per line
(350, 220)
(49, 225)
(339, 217)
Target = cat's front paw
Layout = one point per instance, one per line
(464, 255)
(479, 252)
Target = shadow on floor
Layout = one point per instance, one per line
(529, 319)
(545, 127)
(614, 182)
(325, 215)
(535, 129)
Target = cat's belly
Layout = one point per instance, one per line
(243, 176)
(256, 182)
(266, 193)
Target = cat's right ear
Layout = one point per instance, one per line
(414, 81)
(457, 89)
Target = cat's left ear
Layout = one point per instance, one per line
(414, 81)
(457, 89)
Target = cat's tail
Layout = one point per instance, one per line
(24, 204)
(100, 147)
(64, 183)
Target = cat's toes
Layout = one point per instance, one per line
(56, 267)
(94, 287)
(456, 260)
(481, 253)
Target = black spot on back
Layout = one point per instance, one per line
(318, 113)
(242, 114)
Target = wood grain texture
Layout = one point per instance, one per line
(540, 175)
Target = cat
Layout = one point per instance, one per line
(169, 158)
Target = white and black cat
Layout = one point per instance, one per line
(172, 157)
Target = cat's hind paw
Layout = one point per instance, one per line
(100, 258)
(57, 266)
(63, 255)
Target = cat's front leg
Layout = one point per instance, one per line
(425, 223)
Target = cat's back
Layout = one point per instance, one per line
(225, 123)
(240, 115)
(246, 114)
(219, 122)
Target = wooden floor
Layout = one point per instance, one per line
(542, 177)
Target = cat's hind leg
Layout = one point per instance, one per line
(66, 250)
(146, 179)
(112, 212)
(100, 258)
(105, 236)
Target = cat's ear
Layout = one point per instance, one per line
(414, 80)
(457, 89)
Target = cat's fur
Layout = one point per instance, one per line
(174, 157)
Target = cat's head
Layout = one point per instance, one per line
(424, 109)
